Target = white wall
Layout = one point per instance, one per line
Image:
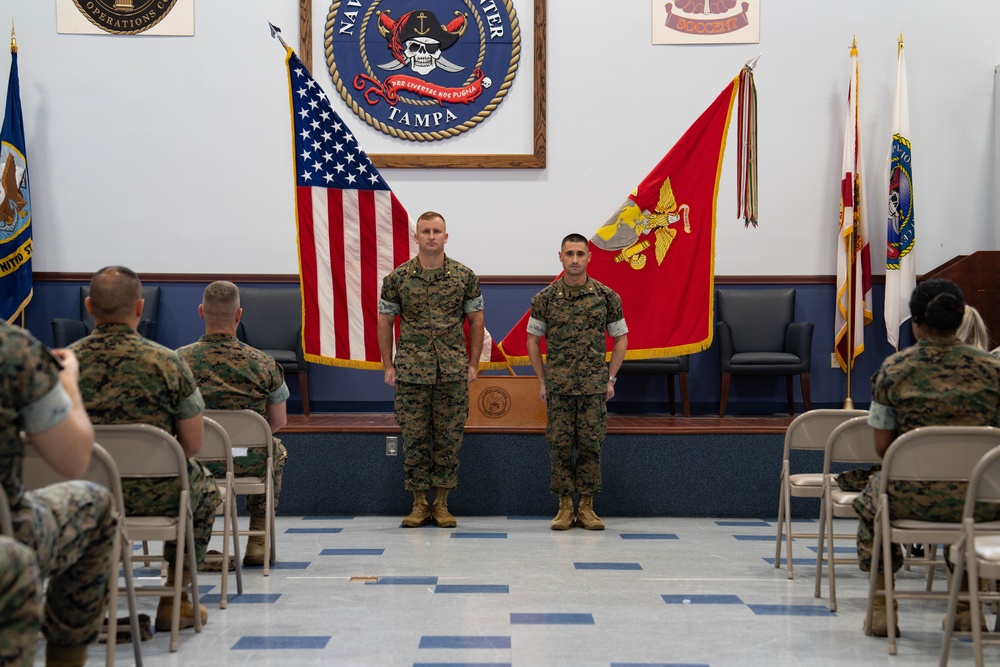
(173, 154)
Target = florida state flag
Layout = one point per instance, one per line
(657, 250)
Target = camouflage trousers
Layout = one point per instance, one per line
(71, 526)
(924, 501)
(156, 497)
(426, 413)
(580, 423)
(254, 464)
(20, 605)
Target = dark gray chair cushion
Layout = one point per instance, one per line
(66, 331)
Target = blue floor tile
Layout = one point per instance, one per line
(702, 599)
(327, 518)
(433, 641)
(790, 610)
(280, 642)
(282, 565)
(745, 524)
(838, 550)
(648, 536)
(352, 552)
(551, 619)
(472, 588)
(757, 538)
(529, 518)
(403, 581)
(313, 530)
(607, 566)
(245, 598)
(473, 536)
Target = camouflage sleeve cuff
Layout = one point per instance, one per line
(537, 327)
(280, 395)
(192, 406)
(616, 329)
(388, 308)
(46, 412)
(474, 305)
(881, 417)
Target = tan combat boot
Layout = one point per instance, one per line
(880, 621)
(442, 517)
(586, 516)
(165, 610)
(65, 656)
(420, 515)
(254, 554)
(564, 518)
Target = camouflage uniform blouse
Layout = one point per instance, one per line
(127, 379)
(233, 375)
(938, 381)
(573, 322)
(31, 400)
(431, 306)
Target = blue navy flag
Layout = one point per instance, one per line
(15, 206)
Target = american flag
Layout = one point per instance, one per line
(352, 231)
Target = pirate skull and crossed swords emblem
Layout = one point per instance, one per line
(416, 39)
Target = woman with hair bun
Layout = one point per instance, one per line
(939, 381)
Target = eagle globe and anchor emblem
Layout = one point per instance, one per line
(423, 71)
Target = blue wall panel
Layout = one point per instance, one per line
(336, 389)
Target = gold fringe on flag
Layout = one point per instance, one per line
(746, 176)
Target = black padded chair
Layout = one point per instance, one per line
(669, 366)
(66, 331)
(756, 336)
(272, 323)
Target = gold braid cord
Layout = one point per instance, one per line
(424, 136)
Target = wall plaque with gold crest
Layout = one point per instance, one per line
(125, 17)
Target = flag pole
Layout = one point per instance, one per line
(848, 402)
(276, 33)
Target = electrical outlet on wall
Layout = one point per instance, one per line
(833, 360)
(390, 445)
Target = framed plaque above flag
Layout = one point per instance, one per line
(419, 78)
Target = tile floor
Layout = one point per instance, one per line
(508, 591)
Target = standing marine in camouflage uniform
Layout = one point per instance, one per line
(20, 612)
(234, 376)
(431, 295)
(938, 382)
(575, 383)
(126, 379)
(70, 526)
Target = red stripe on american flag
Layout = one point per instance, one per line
(341, 328)
(307, 258)
(369, 272)
(400, 233)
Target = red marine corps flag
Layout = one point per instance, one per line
(352, 232)
(657, 249)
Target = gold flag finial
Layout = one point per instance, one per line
(13, 39)
(899, 44)
(854, 46)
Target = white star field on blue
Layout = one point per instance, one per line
(326, 153)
